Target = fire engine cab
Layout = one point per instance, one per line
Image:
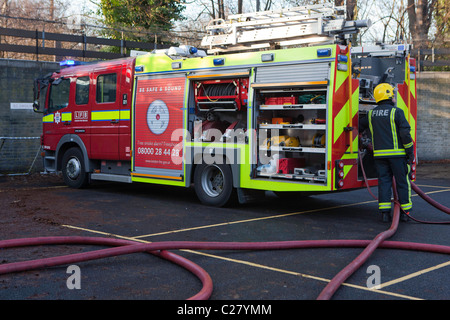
(249, 117)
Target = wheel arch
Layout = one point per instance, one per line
(68, 141)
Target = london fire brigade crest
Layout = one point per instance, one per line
(57, 117)
(157, 117)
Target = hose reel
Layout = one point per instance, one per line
(318, 140)
(221, 94)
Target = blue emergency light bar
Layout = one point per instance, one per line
(70, 63)
(342, 58)
(219, 61)
(324, 52)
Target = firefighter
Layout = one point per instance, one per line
(393, 150)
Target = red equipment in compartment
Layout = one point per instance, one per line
(287, 165)
(221, 91)
(281, 100)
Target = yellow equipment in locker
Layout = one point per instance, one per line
(282, 141)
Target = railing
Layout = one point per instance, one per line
(431, 57)
(4, 139)
(39, 47)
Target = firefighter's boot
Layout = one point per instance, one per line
(404, 216)
(386, 216)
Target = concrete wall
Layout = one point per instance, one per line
(16, 86)
(433, 115)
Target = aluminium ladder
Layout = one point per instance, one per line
(304, 25)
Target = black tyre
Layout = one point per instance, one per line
(213, 184)
(73, 168)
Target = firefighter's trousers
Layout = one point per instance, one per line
(399, 169)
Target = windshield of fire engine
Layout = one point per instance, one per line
(59, 95)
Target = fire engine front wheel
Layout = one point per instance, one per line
(213, 184)
(73, 169)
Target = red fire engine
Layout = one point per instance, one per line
(87, 119)
(282, 120)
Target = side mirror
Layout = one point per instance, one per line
(36, 93)
(37, 107)
(40, 86)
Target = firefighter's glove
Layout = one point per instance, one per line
(410, 157)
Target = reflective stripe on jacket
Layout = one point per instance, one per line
(390, 131)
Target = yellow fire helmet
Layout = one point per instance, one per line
(383, 91)
(292, 142)
(283, 141)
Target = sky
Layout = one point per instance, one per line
(80, 6)
(76, 5)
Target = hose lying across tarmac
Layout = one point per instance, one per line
(121, 247)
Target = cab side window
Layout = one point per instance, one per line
(59, 95)
(82, 90)
(106, 88)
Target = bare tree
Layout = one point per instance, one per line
(442, 23)
(420, 14)
(221, 9)
(351, 7)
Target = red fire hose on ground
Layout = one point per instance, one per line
(121, 247)
(429, 200)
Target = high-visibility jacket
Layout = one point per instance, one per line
(391, 132)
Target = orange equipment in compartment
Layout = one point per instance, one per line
(281, 120)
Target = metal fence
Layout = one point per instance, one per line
(40, 37)
(27, 155)
(434, 57)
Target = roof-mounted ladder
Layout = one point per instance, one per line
(313, 24)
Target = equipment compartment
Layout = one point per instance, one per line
(218, 109)
(292, 130)
(221, 94)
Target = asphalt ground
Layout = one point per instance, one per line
(43, 206)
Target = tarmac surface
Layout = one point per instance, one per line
(40, 205)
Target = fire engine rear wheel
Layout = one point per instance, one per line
(213, 184)
(73, 169)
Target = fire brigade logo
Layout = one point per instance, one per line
(57, 117)
(157, 117)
